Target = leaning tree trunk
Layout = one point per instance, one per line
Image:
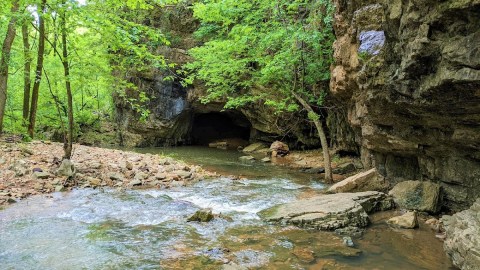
(323, 138)
(26, 71)
(38, 72)
(5, 59)
(66, 67)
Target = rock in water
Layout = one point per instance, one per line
(365, 181)
(254, 147)
(347, 241)
(202, 215)
(330, 212)
(406, 221)
(416, 195)
(66, 168)
(462, 242)
(280, 148)
(246, 158)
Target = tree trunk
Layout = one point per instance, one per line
(38, 72)
(323, 139)
(68, 144)
(26, 71)
(5, 59)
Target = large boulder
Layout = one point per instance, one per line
(365, 181)
(417, 195)
(330, 212)
(462, 241)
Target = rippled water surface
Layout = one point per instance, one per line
(148, 229)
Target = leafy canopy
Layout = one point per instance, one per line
(262, 50)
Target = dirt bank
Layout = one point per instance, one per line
(31, 168)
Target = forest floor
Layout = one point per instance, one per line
(32, 168)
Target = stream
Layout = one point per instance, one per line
(148, 229)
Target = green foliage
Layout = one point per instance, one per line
(261, 51)
(108, 45)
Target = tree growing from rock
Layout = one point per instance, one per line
(277, 53)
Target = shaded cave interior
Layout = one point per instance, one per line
(213, 126)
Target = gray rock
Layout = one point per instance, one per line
(135, 182)
(266, 160)
(315, 170)
(247, 158)
(20, 167)
(140, 176)
(2, 161)
(406, 221)
(115, 176)
(59, 188)
(330, 212)
(160, 176)
(462, 242)
(364, 181)
(183, 174)
(66, 168)
(416, 195)
(371, 42)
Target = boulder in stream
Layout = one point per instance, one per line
(462, 242)
(417, 195)
(406, 221)
(202, 215)
(330, 212)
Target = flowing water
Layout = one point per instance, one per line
(148, 229)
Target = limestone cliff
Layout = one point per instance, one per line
(408, 72)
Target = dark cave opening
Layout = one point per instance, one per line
(211, 127)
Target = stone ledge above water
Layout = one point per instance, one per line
(330, 212)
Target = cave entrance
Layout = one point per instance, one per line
(220, 126)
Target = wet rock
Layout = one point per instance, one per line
(254, 147)
(365, 181)
(266, 160)
(408, 220)
(279, 148)
(202, 215)
(344, 168)
(246, 158)
(304, 254)
(330, 212)
(41, 175)
(416, 195)
(350, 231)
(434, 224)
(37, 170)
(66, 168)
(462, 242)
(348, 242)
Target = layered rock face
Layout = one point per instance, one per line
(409, 74)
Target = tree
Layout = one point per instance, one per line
(39, 69)
(5, 59)
(26, 70)
(277, 53)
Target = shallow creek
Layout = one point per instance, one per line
(147, 229)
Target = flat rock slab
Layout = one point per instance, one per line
(330, 212)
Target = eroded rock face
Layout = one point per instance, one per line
(463, 237)
(330, 212)
(409, 74)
